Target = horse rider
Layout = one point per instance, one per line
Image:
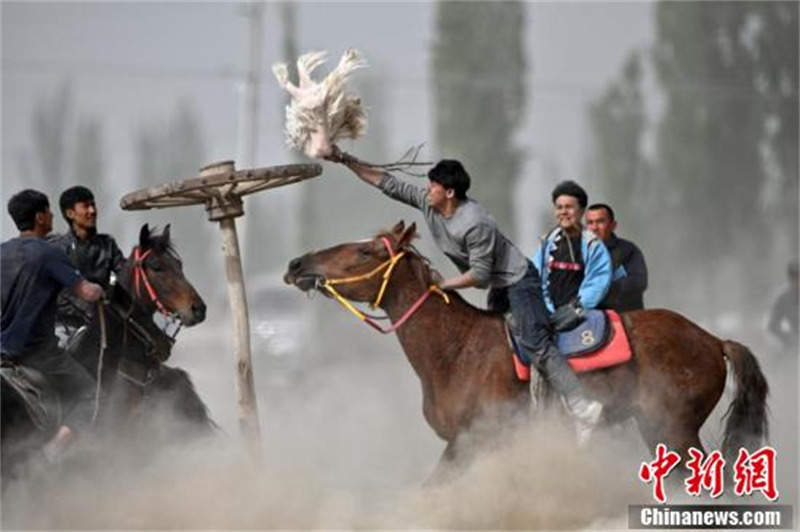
(32, 274)
(629, 277)
(783, 319)
(95, 255)
(574, 265)
(99, 259)
(470, 238)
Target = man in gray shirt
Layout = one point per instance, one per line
(469, 236)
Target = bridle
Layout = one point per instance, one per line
(132, 372)
(387, 267)
(140, 278)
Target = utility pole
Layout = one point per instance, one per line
(296, 228)
(249, 96)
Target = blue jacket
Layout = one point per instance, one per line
(597, 269)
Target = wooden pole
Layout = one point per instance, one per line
(245, 388)
(221, 188)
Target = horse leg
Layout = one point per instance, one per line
(173, 390)
(677, 437)
(676, 440)
(445, 470)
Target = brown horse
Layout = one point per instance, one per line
(462, 356)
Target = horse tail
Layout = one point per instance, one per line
(747, 424)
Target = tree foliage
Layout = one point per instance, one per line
(171, 149)
(729, 73)
(617, 122)
(67, 148)
(478, 68)
(725, 163)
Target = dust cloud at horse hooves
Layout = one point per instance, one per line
(345, 446)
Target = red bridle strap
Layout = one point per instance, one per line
(140, 278)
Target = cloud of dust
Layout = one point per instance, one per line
(346, 447)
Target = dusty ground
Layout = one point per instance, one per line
(346, 447)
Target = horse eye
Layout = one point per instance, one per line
(365, 251)
(155, 266)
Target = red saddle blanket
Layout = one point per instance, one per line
(616, 350)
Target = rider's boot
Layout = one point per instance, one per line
(587, 412)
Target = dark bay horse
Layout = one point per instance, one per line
(140, 397)
(463, 359)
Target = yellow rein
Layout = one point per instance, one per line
(389, 267)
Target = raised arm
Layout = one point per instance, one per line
(395, 188)
(365, 173)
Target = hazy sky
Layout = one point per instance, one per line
(130, 64)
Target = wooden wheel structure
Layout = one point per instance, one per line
(220, 187)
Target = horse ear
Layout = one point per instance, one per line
(144, 236)
(398, 228)
(165, 234)
(408, 235)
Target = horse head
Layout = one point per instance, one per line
(153, 275)
(357, 269)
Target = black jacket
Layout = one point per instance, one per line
(629, 276)
(96, 257)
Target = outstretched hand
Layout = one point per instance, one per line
(335, 155)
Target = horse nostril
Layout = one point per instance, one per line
(295, 264)
(199, 311)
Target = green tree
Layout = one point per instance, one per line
(714, 119)
(776, 35)
(478, 69)
(617, 123)
(726, 72)
(170, 149)
(66, 149)
(51, 125)
(173, 149)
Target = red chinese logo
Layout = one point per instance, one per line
(752, 472)
(657, 470)
(756, 472)
(705, 474)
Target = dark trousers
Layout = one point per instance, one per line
(526, 302)
(73, 383)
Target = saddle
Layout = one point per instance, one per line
(34, 392)
(599, 341)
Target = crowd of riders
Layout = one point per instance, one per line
(53, 283)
